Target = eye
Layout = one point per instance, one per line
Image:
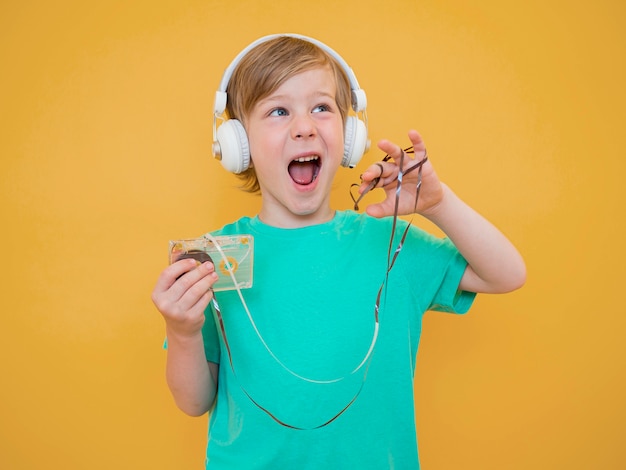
(321, 108)
(278, 112)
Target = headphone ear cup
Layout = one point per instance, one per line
(355, 142)
(233, 144)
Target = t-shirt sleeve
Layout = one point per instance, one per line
(435, 267)
(448, 297)
(210, 336)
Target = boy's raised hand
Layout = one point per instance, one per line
(182, 293)
(431, 191)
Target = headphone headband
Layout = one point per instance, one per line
(359, 101)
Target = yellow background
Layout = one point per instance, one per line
(105, 132)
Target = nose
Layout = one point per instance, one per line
(303, 127)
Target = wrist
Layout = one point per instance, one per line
(438, 210)
(182, 336)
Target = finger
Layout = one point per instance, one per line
(190, 289)
(378, 175)
(173, 272)
(200, 306)
(178, 278)
(200, 292)
(201, 272)
(390, 148)
(417, 141)
(376, 210)
(373, 172)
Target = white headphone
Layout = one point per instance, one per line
(230, 143)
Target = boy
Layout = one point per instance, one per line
(312, 367)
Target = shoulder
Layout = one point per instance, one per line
(238, 227)
(350, 220)
(385, 227)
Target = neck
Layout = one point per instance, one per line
(290, 220)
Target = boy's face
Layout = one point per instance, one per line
(296, 147)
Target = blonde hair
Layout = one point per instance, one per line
(265, 68)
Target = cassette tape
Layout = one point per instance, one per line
(233, 257)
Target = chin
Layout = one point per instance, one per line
(313, 214)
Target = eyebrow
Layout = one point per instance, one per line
(318, 94)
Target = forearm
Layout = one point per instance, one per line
(494, 264)
(191, 379)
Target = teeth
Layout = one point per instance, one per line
(306, 159)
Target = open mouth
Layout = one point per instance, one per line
(305, 170)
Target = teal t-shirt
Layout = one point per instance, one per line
(302, 357)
